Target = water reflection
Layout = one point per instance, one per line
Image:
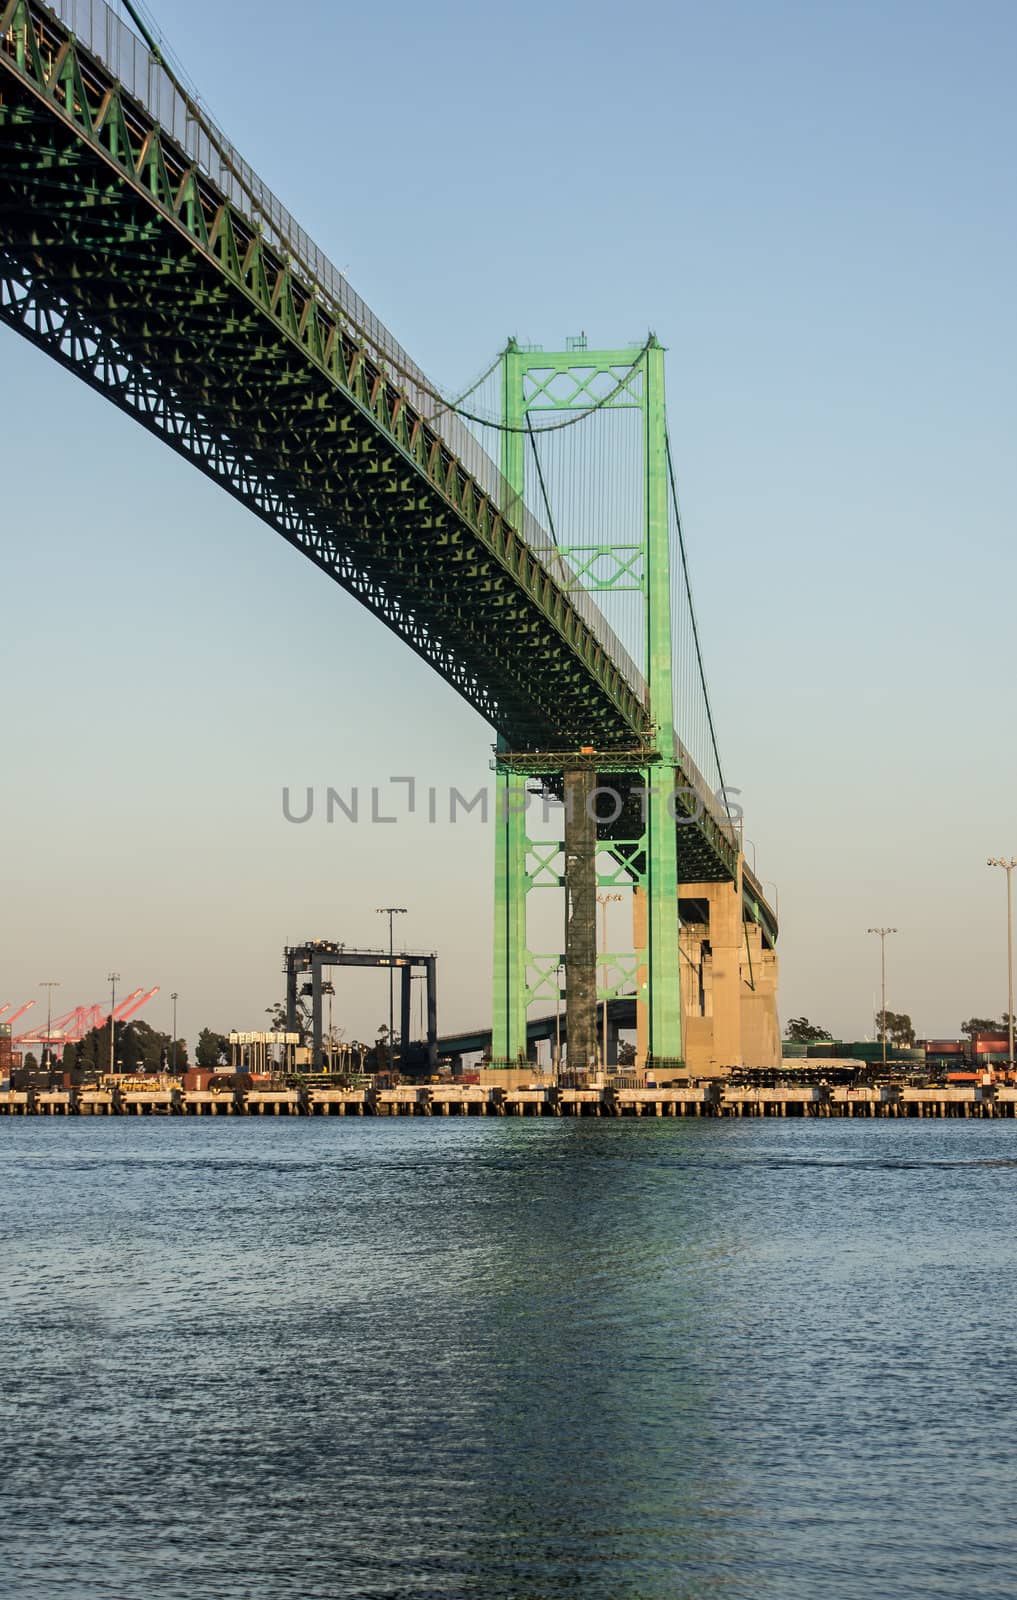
(520, 1359)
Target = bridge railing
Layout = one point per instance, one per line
(107, 36)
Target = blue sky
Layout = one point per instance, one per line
(813, 207)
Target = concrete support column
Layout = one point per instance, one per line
(581, 919)
(725, 983)
(726, 939)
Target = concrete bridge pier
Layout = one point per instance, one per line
(728, 983)
(581, 918)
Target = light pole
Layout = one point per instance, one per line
(49, 984)
(173, 1045)
(1008, 863)
(391, 912)
(113, 979)
(603, 901)
(882, 966)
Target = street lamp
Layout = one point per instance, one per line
(1008, 863)
(173, 1043)
(603, 901)
(113, 978)
(391, 912)
(882, 964)
(49, 984)
(328, 990)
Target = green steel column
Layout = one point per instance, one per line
(664, 1018)
(513, 416)
(508, 1041)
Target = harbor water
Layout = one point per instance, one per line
(311, 1359)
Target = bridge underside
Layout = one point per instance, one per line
(119, 292)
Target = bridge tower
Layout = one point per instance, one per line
(579, 380)
(314, 417)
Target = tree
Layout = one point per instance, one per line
(981, 1025)
(146, 1048)
(139, 1048)
(277, 1019)
(801, 1031)
(177, 1059)
(899, 1029)
(212, 1049)
(30, 1064)
(93, 1051)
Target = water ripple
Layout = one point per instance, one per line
(527, 1361)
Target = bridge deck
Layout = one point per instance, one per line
(140, 251)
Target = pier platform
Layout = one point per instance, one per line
(444, 1100)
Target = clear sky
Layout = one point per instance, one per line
(814, 208)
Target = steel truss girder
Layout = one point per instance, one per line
(514, 646)
(84, 350)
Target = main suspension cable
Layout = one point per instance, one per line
(695, 625)
(454, 405)
(543, 485)
(551, 427)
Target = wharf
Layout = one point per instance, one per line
(472, 1100)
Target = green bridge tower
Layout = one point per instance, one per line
(645, 856)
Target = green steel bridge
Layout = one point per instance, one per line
(141, 252)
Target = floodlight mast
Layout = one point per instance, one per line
(882, 967)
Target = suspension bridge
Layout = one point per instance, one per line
(529, 548)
